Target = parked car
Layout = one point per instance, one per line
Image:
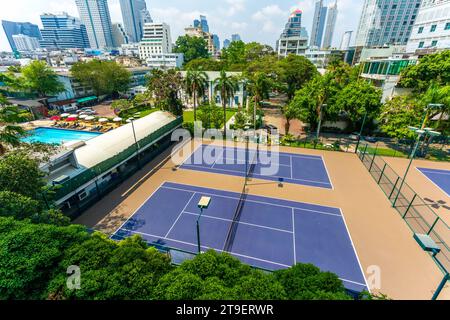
(371, 139)
(354, 136)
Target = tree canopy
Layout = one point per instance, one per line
(40, 79)
(191, 47)
(165, 86)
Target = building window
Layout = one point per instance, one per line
(434, 43)
(421, 43)
(447, 26)
(420, 30)
(433, 28)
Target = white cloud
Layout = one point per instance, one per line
(270, 17)
(234, 6)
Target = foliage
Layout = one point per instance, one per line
(226, 86)
(40, 79)
(120, 105)
(234, 55)
(191, 47)
(432, 67)
(205, 64)
(196, 82)
(210, 115)
(29, 254)
(10, 133)
(240, 120)
(165, 87)
(111, 270)
(104, 77)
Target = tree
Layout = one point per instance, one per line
(120, 105)
(165, 87)
(20, 173)
(191, 47)
(234, 55)
(295, 72)
(440, 97)
(205, 64)
(10, 133)
(359, 98)
(259, 86)
(226, 86)
(29, 255)
(256, 51)
(196, 83)
(104, 77)
(399, 113)
(290, 112)
(432, 67)
(40, 79)
(210, 115)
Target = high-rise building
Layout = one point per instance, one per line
(62, 31)
(25, 28)
(235, 37)
(294, 38)
(25, 43)
(330, 25)
(208, 37)
(432, 27)
(156, 40)
(386, 22)
(145, 17)
(120, 36)
(226, 43)
(132, 11)
(95, 16)
(320, 14)
(204, 24)
(216, 41)
(345, 41)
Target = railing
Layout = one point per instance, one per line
(106, 165)
(417, 214)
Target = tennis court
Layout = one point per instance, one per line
(440, 178)
(268, 233)
(309, 170)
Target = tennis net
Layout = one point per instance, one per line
(249, 170)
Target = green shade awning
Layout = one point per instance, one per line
(86, 99)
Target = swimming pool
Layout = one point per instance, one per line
(59, 136)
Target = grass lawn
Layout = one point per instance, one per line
(142, 113)
(188, 115)
(387, 152)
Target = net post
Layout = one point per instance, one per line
(409, 206)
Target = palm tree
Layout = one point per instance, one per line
(196, 82)
(226, 86)
(10, 133)
(437, 95)
(259, 87)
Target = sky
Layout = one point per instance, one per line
(255, 20)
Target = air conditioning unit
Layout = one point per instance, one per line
(82, 195)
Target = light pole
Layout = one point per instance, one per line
(419, 133)
(322, 106)
(202, 204)
(361, 131)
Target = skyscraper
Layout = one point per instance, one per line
(320, 14)
(132, 14)
(25, 43)
(204, 24)
(216, 41)
(294, 38)
(119, 35)
(95, 16)
(226, 43)
(11, 28)
(385, 22)
(345, 42)
(235, 37)
(330, 25)
(62, 31)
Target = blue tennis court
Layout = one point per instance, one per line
(294, 168)
(270, 234)
(440, 178)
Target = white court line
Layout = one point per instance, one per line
(246, 223)
(190, 199)
(259, 175)
(293, 235)
(440, 188)
(290, 161)
(263, 164)
(214, 163)
(356, 253)
(234, 253)
(328, 174)
(261, 202)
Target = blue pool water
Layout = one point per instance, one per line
(59, 136)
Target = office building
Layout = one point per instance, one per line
(202, 24)
(20, 28)
(345, 41)
(330, 25)
(164, 61)
(132, 14)
(156, 40)
(216, 41)
(226, 43)
(145, 17)
(120, 36)
(62, 31)
(431, 30)
(235, 37)
(318, 27)
(386, 22)
(95, 16)
(294, 38)
(24, 43)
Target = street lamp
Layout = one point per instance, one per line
(419, 133)
(202, 204)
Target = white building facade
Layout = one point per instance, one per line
(25, 43)
(345, 42)
(165, 61)
(156, 40)
(432, 27)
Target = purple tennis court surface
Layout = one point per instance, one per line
(440, 178)
(271, 234)
(294, 168)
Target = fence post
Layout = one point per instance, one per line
(373, 159)
(409, 206)
(382, 172)
(390, 195)
(432, 226)
(364, 153)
